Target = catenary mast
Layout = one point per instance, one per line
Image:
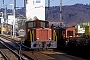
(61, 22)
(48, 3)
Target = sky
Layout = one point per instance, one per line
(52, 2)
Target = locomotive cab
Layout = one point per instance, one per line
(61, 36)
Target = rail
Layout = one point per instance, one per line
(18, 55)
(6, 58)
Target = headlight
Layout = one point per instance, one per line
(49, 38)
(37, 38)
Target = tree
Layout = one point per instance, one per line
(35, 18)
(21, 22)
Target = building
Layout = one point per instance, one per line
(87, 28)
(80, 28)
(35, 9)
(1, 17)
(10, 19)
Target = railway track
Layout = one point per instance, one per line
(2, 56)
(9, 38)
(60, 55)
(15, 49)
(30, 55)
(9, 53)
(38, 55)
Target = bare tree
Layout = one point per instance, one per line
(35, 18)
(21, 22)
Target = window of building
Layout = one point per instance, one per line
(38, 1)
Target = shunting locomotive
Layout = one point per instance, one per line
(63, 35)
(39, 35)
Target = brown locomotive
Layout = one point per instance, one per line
(39, 35)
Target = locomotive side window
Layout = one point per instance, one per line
(30, 24)
(69, 33)
(42, 24)
(34, 24)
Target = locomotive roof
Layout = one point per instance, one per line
(36, 21)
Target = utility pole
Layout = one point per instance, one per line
(25, 6)
(13, 11)
(3, 2)
(48, 4)
(15, 5)
(2, 18)
(60, 13)
(5, 18)
(5, 14)
(60, 10)
(61, 22)
(24, 3)
(14, 29)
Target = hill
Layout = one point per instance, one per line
(71, 14)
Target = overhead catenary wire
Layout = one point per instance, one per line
(67, 2)
(8, 2)
(52, 1)
(1, 4)
(43, 4)
(2, 1)
(5, 7)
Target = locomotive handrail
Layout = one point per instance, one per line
(25, 46)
